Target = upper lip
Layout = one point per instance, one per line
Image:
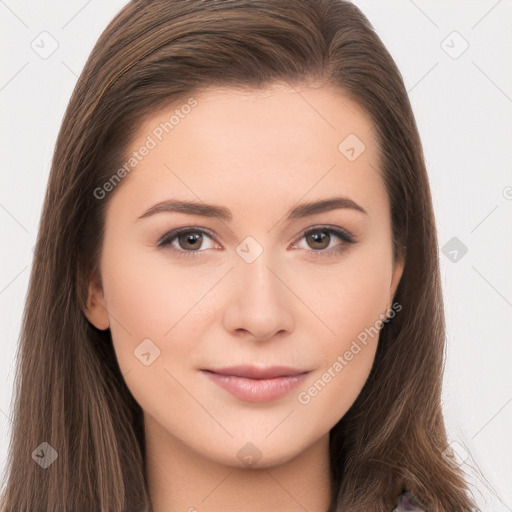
(255, 372)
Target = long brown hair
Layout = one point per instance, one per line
(69, 390)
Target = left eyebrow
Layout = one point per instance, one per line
(333, 203)
(223, 213)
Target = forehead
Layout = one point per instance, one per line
(280, 142)
(278, 113)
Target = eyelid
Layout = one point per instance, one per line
(174, 233)
(344, 235)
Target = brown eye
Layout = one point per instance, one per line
(319, 239)
(186, 241)
(190, 240)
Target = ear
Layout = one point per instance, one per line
(96, 310)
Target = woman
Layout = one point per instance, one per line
(259, 367)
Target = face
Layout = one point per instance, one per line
(246, 334)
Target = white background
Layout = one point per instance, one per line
(463, 107)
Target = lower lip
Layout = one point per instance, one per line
(256, 390)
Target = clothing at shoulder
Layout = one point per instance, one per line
(406, 502)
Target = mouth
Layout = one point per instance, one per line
(256, 384)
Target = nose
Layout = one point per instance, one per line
(259, 303)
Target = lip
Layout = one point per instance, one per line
(254, 384)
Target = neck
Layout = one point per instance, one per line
(180, 479)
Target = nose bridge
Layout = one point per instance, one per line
(259, 284)
(259, 301)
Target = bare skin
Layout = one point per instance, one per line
(301, 302)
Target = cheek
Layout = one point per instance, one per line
(150, 298)
(350, 299)
(359, 298)
(333, 389)
(349, 296)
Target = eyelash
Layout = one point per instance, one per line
(166, 241)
